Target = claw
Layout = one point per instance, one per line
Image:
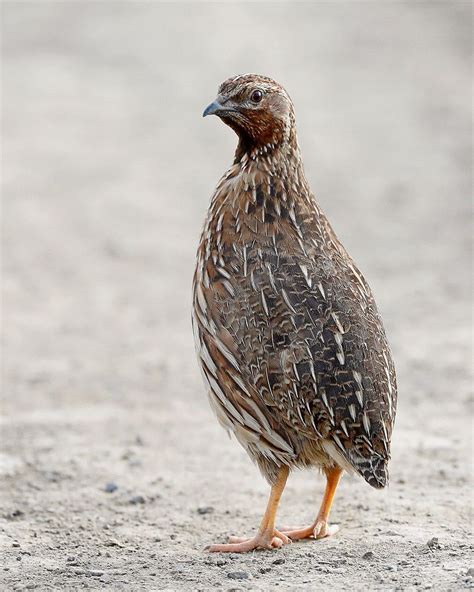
(323, 530)
(319, 530)
(286, 540)
(242, 545)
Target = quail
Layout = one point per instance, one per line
(288, 336)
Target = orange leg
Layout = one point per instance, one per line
(320, 527)
(267, 536)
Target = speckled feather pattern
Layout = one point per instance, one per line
(289, 339)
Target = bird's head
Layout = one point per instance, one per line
(257, 108)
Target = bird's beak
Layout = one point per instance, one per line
(213, 109)
(217, 108)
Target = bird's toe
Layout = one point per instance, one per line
(323, 530)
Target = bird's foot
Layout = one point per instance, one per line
(271, 540)
(318, 530)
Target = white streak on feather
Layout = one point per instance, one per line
(320, 288)
(216, 389)
(304, 269)
(328, 407)
(359, 279)
(338, 322)
(271, 277)
(311, 369)
(344, 428)
(366, 422)
(228, 286)
(384, 428)
(359, 391)
(298, 411)
(264, 303)
(338, 442)
(250, 421)
(287, 300)
(223, 272)
(226, 353)
(201, 300)
(340, 354)
(261, 417)
(252, 281)
(275, 439)
(352, 411)
(239, 382)
(207, 359)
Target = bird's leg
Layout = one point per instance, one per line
(267, 536)
(320, 527)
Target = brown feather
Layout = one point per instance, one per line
(292, 347)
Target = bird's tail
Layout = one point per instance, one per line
(374, 470)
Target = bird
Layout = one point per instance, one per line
(288, 336)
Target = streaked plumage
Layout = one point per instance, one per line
(290, 342)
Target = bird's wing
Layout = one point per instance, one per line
(333, 373)
(233, 394)
(289, 349)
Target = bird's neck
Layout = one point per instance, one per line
(264, 191)
(281, 163)
(265, 184)
(282, 144)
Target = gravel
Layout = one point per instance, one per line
(108, 171)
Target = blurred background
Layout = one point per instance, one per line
(108, 168)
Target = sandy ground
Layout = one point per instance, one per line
(115, 474)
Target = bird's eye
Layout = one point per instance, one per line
(256, 96)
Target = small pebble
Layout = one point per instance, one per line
(15, 514)
(279, 561)
(110, 487)
(238, 575)
(205, 510)
(433, 543)
(15, 544)
(136, 499)
(368, 555)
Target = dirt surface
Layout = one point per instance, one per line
(115, 474)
